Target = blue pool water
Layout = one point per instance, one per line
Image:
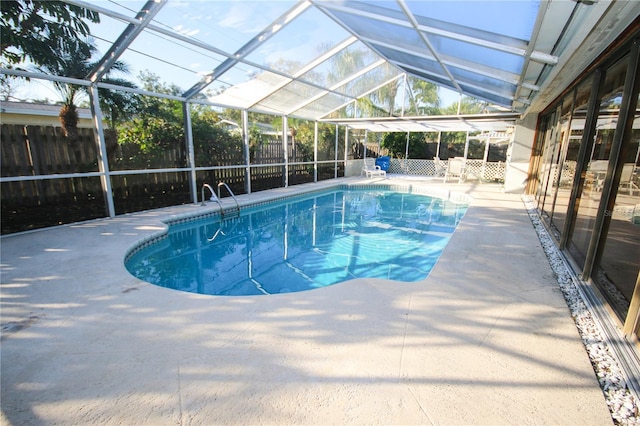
(303, 244)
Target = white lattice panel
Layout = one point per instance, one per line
(565, 174)
(397, 166)
(479, 170)
(413, 167)
(474, 169)
(568, 173)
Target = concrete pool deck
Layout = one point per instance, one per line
(487, 338)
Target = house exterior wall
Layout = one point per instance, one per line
(39, 115)
(519, 154)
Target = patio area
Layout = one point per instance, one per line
(487, 338)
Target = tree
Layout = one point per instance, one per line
(115, 105)
(78, 65)
(396, 143)
(155, 137)
(386, 97)
(157, 124)
(452, 144)
(213, 143)
(344, 65)
(8, 86)
(43, 32)
(468, 105)
(422, 99)
(327, 141)
(427, 101)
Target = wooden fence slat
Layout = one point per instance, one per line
(15, 154)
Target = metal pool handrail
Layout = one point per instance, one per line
(213, 195)
(232, 196)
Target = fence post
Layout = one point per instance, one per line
(485, 157)
(191, 157)
(335, 156)
(346, 145)
(406, 155)
(466, 146)
(246, 151)
(101, 142)
(364, 155)
(315, 151)
(285, 145)
(466, 153)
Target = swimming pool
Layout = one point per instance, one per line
(303, 243)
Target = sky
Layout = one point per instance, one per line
(228, 26)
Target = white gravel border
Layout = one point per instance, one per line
(622, 404)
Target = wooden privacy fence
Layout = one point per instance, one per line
(37, 150)
(64, 197)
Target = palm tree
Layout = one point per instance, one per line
(468, 105)
(117, 105)
(426, 96)
(78, 65)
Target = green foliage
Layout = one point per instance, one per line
(366, 107)
(117, 106)
(156, 132)
(452, 144)
(77, 64)
(256, 138)
(302, 134)
(234, 115)
(213, 143)
(151, 83)
(152, 134)
(468, 105)
(43, 32)
(155, 129)
(70, 64)
(327, 141)
(396, 143)
(425, 94)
